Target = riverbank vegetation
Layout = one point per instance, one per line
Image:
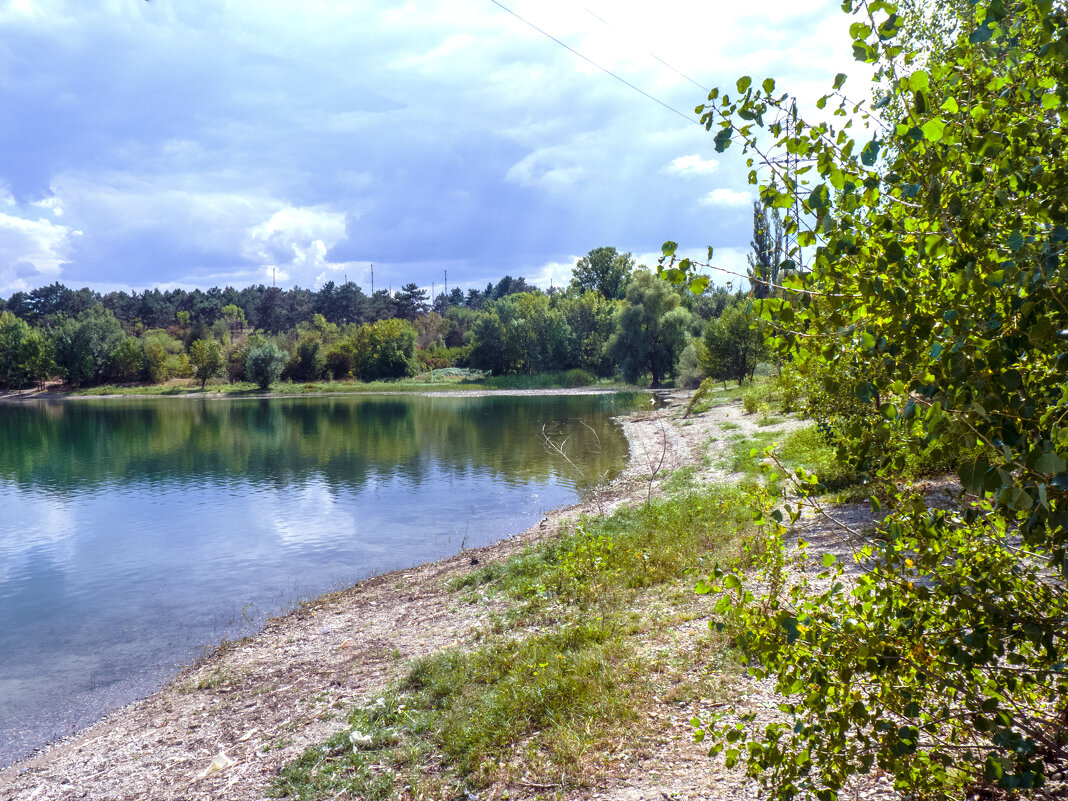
(613, 321)
(559, 680)
(930, 327)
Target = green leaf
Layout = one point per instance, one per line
(829, 559)
(870, 153)
(839, 80)
(933, 130)
(723, 140)
(1050, 462)
(768, 86)
(981, 34)
(919, 81)
(1015, 241)
(743, 83)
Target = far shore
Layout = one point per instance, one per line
(446, 390)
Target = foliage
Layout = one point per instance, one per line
(604, 271)
(768, 251)
(731, 345)
(206, 358)
(84, 347)
(25, 353)
(384, 349)
(650, 330)
(937, 291)
(264, 364)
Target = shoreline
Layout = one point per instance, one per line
(416, 599)
(21, 396)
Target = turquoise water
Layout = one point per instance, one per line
(137, 533)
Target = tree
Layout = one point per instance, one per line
(206, 356)
(83, 348)
(767, 255)
(25, 353)
(731, 345)
(603, 270)
(410, 302)
(264, 364)
(234, 316)
(650, 329)
(940, 230)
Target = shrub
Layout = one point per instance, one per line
(264, 364)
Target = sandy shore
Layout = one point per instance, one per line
(263, 700)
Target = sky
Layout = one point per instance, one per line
(197, 143)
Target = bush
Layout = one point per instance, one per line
(264, 364)
(577, 378)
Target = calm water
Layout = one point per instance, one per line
(136, 533)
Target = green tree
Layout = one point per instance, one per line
(25, 353)
(768, 246)
(603, 270)
(731, 345)
(650, 329)
(206, 357)
(83, 347)
(940, 231)
(234, 317)
(264, 364)
(128, 360)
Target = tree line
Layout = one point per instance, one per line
(613, 320)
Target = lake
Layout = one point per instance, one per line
(137, 533)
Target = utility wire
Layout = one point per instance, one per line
(622, 80)
(649, 53)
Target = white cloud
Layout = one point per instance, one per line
(295, 241)
(553, 274)
(32, 252)
(693, 165)
(725, 196)
(552, 168)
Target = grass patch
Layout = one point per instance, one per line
(801, 447)
(542, 699)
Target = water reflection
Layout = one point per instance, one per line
(135, 532)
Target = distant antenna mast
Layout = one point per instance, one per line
(446, 282)
(274, 275)
(372, 279)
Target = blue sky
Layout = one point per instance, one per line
(211, 142)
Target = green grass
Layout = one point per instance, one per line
(558, 677)
(802, 447)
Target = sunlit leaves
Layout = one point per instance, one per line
(934, 304)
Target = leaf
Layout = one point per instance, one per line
(769, 85)
(870, 153)
(1015, 241)
(839, 80)
(668, 248)
(723, 140)
(1050, 462)
(933, 130)
(981, 34)
(973, 473)
(744, 82)
(829, 559)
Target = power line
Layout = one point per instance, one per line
(589, 60)
(649, 53)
